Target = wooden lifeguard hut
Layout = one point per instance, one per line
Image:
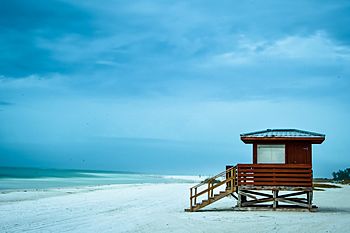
(280, 176)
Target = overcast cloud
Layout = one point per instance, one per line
(168, 86)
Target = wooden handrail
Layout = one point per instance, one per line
(214, 177)
(212, 187)
(229, 178)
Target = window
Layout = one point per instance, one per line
(271, 154)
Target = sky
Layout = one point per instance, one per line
(167, 87)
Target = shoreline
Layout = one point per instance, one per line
(32, 184)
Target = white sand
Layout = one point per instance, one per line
(158, 208)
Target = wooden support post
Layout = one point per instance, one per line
(191, 199)
(233, 179)
(309, 199)
(239, 201)
(195, 195)
(275, 199)
(209, 192)
(228, 176)
(243, 199)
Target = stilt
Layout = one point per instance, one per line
(239, 201)
(275, 196)
(309, 199)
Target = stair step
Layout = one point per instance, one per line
(211, 199)
(219, 194)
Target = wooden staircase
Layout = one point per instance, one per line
(212, 189)
(209, 201)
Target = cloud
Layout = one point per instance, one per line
(32, 83)
(120, 41)
(52, 16)
(315, 48)
(175, 70)
(22, 24)
(311, 66)
(5, 103)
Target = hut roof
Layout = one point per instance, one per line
(282, 134)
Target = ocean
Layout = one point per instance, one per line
(34, 178)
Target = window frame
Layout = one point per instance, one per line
(273, 156)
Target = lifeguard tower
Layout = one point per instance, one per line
(280, 176)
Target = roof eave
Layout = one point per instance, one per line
(313, 140)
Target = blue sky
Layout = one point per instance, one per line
(168, 86)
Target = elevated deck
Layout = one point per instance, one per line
(257, 186)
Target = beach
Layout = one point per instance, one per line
(158, 208)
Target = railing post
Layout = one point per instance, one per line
(195, 194)
(191, 199)
(233, 179)
(237, 176)
(209, 191)
(228, 176)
